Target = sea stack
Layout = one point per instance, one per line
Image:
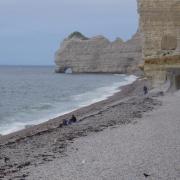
(80, 54)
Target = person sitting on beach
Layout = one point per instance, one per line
(73, 119)
(65, 122)
(145, 90)
(70, 121)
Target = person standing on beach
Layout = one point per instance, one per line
(145, 90)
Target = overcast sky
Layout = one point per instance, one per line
(31, 30)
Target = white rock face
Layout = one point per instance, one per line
(99, 55)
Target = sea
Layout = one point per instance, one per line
(30, 95)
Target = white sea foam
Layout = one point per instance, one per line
(103, 93)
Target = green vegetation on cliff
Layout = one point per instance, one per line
(78, 35)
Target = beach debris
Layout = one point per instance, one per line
(157, 94)
(6, 159)
(24, 165)
(146, 175)
(21, 177)
(60, 125)
(68, 71)
(83, 161)
(55, 140)
(137, 114)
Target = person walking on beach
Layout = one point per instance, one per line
(145, 90)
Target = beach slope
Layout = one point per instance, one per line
(147, 149)
(128, 136)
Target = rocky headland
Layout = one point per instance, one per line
(80, 54)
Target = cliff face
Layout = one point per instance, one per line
(160, 28)
(99, 55)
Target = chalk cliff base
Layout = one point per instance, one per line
(163, 69)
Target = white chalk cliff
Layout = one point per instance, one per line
(98, 54)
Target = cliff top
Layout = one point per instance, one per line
(77, 35)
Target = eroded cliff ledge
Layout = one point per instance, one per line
(98, 54)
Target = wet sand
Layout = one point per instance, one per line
(36, 147)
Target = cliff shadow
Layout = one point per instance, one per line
(173, 76)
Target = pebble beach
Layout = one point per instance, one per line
(127, 136)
